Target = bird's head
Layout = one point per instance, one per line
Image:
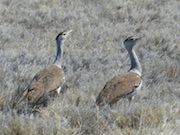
(63, 35)
(131, 41)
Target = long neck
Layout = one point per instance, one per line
(59, 55)
(135, 64)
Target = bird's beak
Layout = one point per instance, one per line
(68, 32)
(138, 38)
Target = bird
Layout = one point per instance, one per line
(49, 79)
(125, 85)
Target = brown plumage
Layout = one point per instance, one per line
(45, 81)
(119, 87)
(123, 85)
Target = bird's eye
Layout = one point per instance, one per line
(64, 34)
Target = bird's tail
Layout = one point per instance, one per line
(19, 97)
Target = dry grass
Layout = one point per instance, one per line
(93, 54)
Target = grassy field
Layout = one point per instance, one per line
(93, 54)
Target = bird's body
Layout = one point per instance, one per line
(125, 85)
(45, 81)
(121, 86)
(49, 79)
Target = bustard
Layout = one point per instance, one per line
(124, 85)
(49, 79)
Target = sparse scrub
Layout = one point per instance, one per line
(93, 54)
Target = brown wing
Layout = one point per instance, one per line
(46, 80)
(118, 87)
